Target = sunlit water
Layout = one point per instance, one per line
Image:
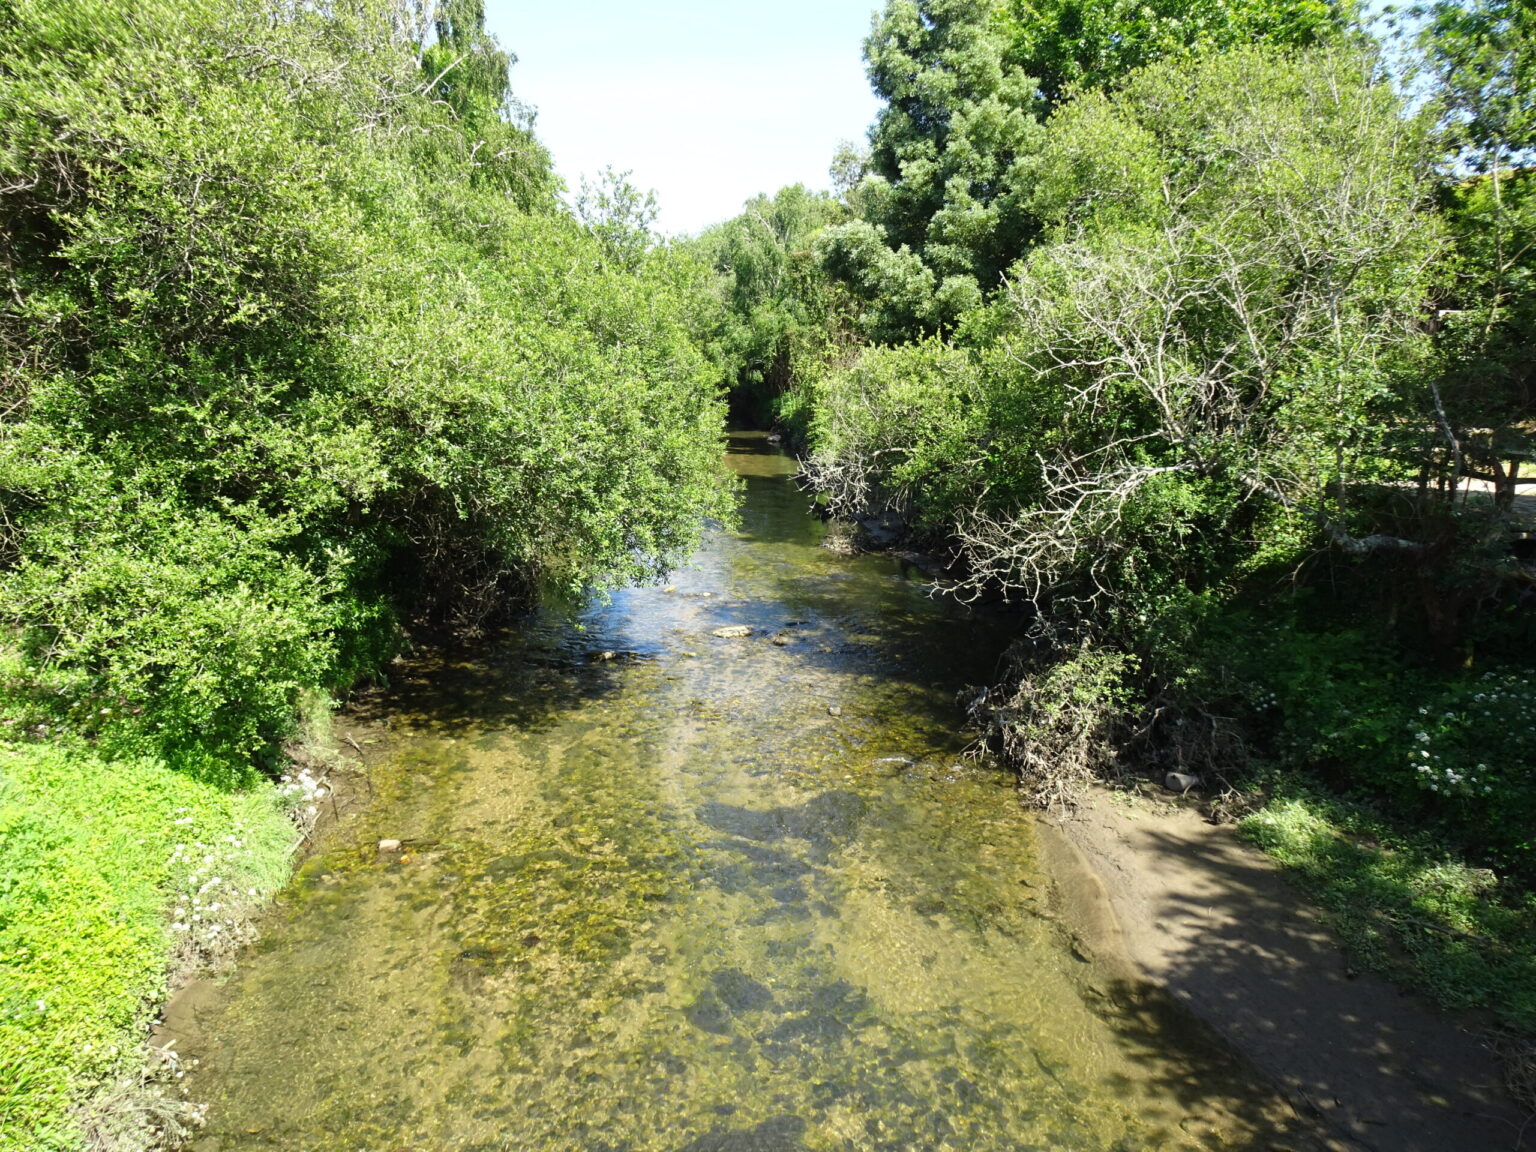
(666, 891)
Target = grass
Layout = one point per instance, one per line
(1403, 903)
(96, 855)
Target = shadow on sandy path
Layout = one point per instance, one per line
(1216, 924)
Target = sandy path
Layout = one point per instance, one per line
(1154, 888)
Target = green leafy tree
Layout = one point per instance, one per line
(941, 206)
(1481, 58)
(285, 371)
(467, 70)
(620, 216)
(1074, 45)
(944, 207)
(1217, 336)
(779, 316)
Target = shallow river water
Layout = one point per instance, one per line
(668, 892)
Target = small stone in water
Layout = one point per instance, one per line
(389, 845)
(734, 632)
(834, 710)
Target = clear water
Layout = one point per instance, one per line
(667, 892)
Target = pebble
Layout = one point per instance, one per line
(389, 845)
(834, 710)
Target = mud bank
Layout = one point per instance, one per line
(1159, 895)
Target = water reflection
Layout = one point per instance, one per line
(669, 892)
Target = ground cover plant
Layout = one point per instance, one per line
(1402, 903)
(110, 866)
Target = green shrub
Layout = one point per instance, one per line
(296, 356)
(1453, 752)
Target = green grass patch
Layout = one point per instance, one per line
(96, 858)
(1404, 903)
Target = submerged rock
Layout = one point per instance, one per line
(734, 632)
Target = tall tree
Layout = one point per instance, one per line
(779, 312)
(1069, 45)
(944, 208)
(1481, 55)
(468, 70)
(940, 204)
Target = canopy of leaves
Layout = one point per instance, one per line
(1222, 322)
(941, 213)
(299, 346)
(944, 208)
(1069, 45)
(1482, 54)
(778, 313)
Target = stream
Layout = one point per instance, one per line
(663, 891)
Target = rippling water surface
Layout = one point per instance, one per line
(668, 892)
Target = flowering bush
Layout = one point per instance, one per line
(1472, 747)
(1454, 752)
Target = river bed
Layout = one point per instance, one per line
(663, 891)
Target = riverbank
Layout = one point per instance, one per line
(1156, 892)
(119, 877)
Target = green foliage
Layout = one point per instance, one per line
(893, 430)
(1489, 323)
(942, 208)
(466, 69)
(779, 318)
(945, 206)
(1223, 319)
(297, 351)
(620, 216)
(92, 853)
(1482, 55)
(1451, 752)
(1069, 46)
(1060, 721)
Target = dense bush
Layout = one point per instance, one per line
(778, 320)
(1450, 750)
(1227, 306)
(295, 354)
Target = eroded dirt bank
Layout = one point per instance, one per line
(1157, 893)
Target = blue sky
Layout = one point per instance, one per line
(706, 102)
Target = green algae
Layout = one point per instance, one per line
(673, 903)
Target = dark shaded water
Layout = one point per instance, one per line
(667, 891)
